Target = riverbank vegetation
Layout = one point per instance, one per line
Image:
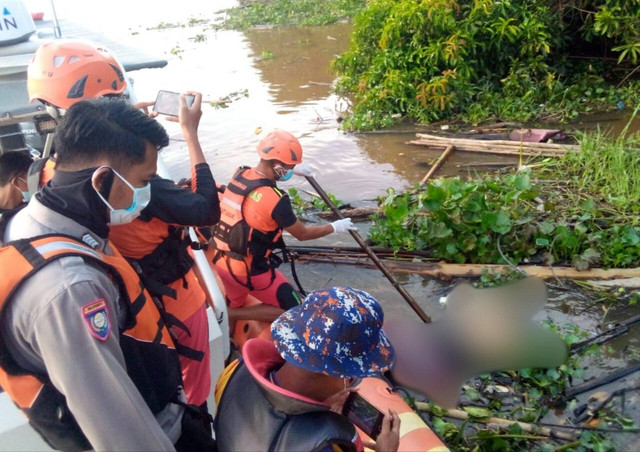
(292, 12)
(481, 59)
(580, 209)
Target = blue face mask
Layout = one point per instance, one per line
(283, 177)
(287, 175)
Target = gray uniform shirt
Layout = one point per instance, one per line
(46, 332)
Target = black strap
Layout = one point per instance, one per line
(294, 273)
(170, 321)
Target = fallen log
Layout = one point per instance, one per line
(446, 270)
(500, 422)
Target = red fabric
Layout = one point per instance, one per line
(196, 374)
(264, 289)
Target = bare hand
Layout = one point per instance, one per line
(189, 117)
(389, 438)
(144, 106)
(337, 400)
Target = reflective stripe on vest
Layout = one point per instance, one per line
(148, 351)
(233, 233)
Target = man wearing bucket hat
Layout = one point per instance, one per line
(297, 383)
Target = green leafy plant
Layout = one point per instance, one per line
(292, 12)
(300, 204)
(475, 60)
(501, 220)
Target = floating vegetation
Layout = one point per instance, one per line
(292, 12)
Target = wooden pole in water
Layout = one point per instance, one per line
(438, 163)
(409, 299)
(525, 426)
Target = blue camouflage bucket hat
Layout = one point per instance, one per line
(335, 331)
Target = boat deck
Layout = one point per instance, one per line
(15, 59)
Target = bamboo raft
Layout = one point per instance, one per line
(408, 263)
(502, 147)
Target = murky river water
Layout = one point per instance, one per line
(286, 76)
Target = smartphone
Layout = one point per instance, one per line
(363, 415)
(167, 102)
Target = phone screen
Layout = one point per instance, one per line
(363, 415)
(167, 102)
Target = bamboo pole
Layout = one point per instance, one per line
(517, 144)
(378, 263)
(525, 426)
(597, 382)
(436, 166)
(491, 150)
(501, 147)
(447, 270)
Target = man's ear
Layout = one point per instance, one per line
(102, 180)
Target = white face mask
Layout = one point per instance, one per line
(26, 195)
(141, 198)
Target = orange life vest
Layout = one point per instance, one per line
(40, 172)
(149, 352)
(233, 236)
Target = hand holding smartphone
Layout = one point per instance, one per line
(167, 103)
(363, 415)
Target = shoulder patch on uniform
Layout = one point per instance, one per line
(96, 317)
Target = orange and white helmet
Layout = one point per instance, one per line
(282, 146)
(63, 72)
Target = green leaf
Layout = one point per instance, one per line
(441, 230)
(503, 222)
(546, 227)
(478, 413)
(523, 181)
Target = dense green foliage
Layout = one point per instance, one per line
(488, 220)
(292, 12)
(511, 60)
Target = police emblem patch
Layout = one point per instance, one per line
(96, 318)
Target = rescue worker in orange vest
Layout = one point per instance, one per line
(254, 213)
(14, 166)
(155, 242)
(83, 349)
(66, 71)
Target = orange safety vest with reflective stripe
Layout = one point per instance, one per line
(149, 352)
(232, 235)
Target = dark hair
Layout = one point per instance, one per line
(92, 130)
(12, 164)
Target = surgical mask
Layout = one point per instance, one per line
(141, 198)
(26, 195)
(283, 177)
